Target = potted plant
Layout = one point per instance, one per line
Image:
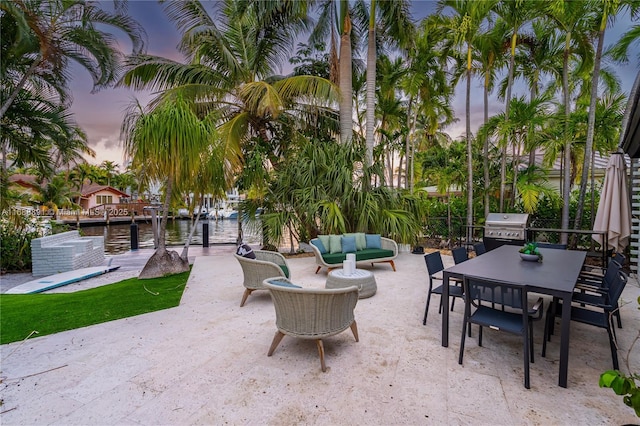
(531, 252)
(622, 384)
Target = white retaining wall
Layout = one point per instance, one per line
(64, 252)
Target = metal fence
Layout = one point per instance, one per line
(438, 233)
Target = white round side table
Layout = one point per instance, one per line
(363, 279)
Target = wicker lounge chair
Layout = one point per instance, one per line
(308, 313)
(267, 264)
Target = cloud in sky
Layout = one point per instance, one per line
(101, 114)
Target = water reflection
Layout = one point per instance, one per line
(117, 237)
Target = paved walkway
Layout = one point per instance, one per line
(204, 362)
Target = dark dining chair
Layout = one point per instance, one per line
(479, 248)
(516, 319)
(594, 285)
(595, 311)
(459, 255)
(434, 269)
(595, 273)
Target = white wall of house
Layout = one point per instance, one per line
(104, 196)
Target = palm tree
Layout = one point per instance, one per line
(465, 25)
(607, 10)
(429, 90)
(532, 186)
(489, 46)
(69, 30)
(539, 55)
(70, 149)
(318, 191)
(620, 50)
(108, 168)
(337, 19)
(56, 194)
(345, 71)
(389, 107)
(39, 131)
(524, 129)
(169, 141)
(573, 19)
(528, 121)
(231, 72)
(513, 16)
(396, 26)
(444, 166)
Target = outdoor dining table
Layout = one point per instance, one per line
(555, 275)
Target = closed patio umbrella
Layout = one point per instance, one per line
(614, 211)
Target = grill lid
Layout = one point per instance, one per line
(503, 220)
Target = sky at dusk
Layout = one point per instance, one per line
(100, 114)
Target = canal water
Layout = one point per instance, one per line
(117, 237)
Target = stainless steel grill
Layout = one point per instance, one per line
(505, 228)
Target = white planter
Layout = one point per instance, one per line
(404, 248)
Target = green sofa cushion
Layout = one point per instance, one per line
(366, 254)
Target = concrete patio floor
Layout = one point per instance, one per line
(205, 362)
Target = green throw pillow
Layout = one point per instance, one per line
(335, 244)
(324, 239)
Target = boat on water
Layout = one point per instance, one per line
(224, 209)
(228, 214)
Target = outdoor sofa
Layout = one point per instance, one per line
(331, 250)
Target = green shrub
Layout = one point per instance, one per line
(17, 229)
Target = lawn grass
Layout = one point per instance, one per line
(21, 314)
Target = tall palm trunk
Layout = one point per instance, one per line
(590, 124)
(503, 163)
(469, 145)
(485, 147)
(566, 178)
(534, 94)
(16, 90)
(512, 57)
(411, 125)
(346, 88)
(516, 161)
(371, 84)
(162, 233)
(503, 172)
